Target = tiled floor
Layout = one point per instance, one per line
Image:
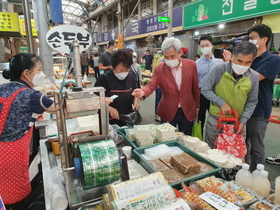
(272, 138)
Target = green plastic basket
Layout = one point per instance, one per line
(150, 169)
(134, 145)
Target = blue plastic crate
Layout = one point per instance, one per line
(150, 169)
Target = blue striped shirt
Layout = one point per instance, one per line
(204, 65)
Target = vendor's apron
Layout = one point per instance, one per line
(14, 160)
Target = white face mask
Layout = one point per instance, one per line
(172, 63)
(134, 59)
(121, 76)
(254, 42)
(115, 49)
(38, 79)
(206, 50)
(238, 69)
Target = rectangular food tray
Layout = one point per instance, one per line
(150, 169)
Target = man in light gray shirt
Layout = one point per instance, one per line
(231, 85)
(203, 65)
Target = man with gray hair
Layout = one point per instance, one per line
(178, 80)
(231, 85)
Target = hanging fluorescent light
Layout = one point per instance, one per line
(221, 26)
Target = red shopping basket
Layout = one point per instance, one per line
(229, 141)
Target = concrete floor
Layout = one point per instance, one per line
(272, 137)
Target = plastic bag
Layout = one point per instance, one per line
(196, 130)
(134, 118)
(229, 173)
(230, 142)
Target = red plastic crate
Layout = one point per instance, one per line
(274, 118)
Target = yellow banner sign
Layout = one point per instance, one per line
(22, 27)
(9, 22)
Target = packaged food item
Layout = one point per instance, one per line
(158, 151)
(191, 197)
(159, 165)
(204, 167)
(130, 133)
(145, 131)
(178, 204)
(244, 177)
(176, 150)
(191, 142)
(213, 181)
(172, 175)
(202, 147)
(136, 186)
(185, 163)
(165, 131)
(239, 196)
(146, 200)
(263, 205)
(144, 142)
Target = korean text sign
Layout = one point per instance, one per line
(59, 38)
(209, 12)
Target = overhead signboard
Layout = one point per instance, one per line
(59, 38)
(22, 27)
(208, 12)
(14, 1)
(9, 22)
(144, 26)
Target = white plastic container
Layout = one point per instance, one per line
(277, 191)
(257, 171)
(244, 177)
(261, 184)
(85, 78)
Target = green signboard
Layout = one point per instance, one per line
(164, 19)
(208, 12)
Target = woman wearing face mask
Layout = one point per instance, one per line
(121, 82)
(19, 109)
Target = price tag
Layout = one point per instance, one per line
(218, 202)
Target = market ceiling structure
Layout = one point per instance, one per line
(76, 11)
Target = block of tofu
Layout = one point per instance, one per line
(172, 175)
(185, 163)
(142, 132)
(144, 142)
(166, 131)
(130, 133)
(166, 161)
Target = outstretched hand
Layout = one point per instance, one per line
(138, 93)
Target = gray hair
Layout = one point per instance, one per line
(171, 42)
(245, 48)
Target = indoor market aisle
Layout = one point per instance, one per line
(272, 138)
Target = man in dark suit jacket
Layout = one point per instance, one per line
(177, 77)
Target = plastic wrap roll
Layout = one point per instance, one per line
(100, 163)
